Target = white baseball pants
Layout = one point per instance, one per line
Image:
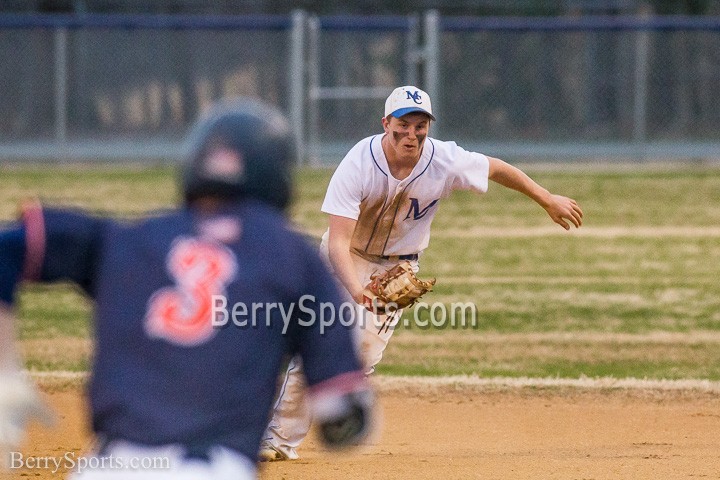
(126, 460)
(291, 417)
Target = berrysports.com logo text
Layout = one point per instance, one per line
(308, 311)
(71, 462)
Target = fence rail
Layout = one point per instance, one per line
(586, 23)
(126, 87)
(138, 22)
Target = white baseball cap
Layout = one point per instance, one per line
(408, 99)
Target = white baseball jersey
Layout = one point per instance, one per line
(394, 216)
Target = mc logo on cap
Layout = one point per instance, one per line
(408, 99)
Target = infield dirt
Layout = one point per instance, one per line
(453, 432)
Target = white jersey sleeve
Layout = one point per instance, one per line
(344, 192)
(470, 170)
(394, 215)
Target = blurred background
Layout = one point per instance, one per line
(603, 80)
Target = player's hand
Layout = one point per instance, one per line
(563, 210)
(343, 415)
(19, 403)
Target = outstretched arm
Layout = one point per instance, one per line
(561, 209)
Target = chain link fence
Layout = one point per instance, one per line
(636, 85)
(128, 87)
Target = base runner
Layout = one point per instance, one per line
(167, 381)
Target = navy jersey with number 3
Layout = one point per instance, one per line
(162, 374)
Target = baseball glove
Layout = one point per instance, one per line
(398, 286)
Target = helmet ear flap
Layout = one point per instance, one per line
(240, 149)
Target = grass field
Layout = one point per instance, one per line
(633, 293)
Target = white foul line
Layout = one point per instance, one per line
(390, 383)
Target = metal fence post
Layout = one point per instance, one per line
(61, 85)
(413, 55)
(313, 90)
(642, 65)
(297, 81)
(432, 63)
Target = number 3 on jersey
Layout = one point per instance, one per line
(181, 314)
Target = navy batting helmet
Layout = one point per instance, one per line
(243, 148)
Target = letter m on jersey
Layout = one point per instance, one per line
(417, 212)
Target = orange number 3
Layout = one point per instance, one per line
(182, 314)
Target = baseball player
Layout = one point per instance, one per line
(168, 380)
(380, 202)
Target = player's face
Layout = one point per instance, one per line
(406, 135)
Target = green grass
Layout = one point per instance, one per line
(53, 311)
(608, 199)
(524, 282)
(111, 190)
(38, 363)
